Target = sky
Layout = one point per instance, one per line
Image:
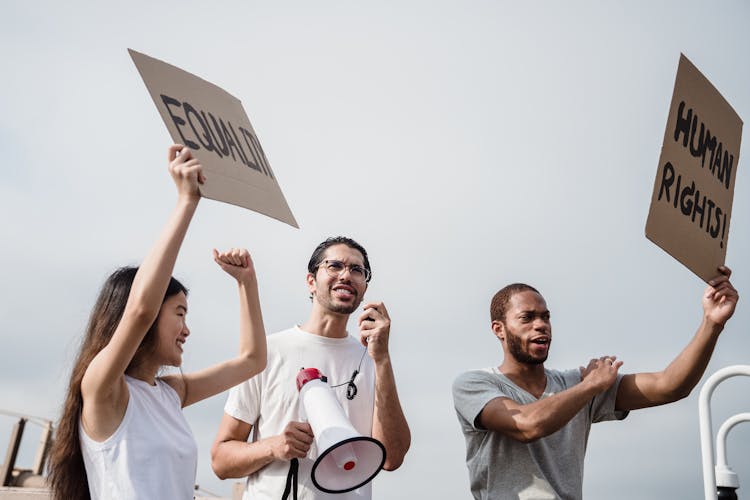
(466, 145)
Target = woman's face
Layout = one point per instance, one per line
(172, 330)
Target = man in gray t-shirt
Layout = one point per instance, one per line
(526, 427)
(551, 467)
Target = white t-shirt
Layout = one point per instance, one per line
(269, 401)
(151, 455)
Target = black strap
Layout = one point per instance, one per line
(291, 480)
(351, 387)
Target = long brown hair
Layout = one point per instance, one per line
(67, 474)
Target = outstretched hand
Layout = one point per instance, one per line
(236, 262)
(186, 171)
(720, 298)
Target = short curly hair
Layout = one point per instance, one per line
(499, 303)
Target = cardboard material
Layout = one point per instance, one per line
(691, 205)
(213, 124)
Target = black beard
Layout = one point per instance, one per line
(343, 308)
(516, 350)
(340, 308)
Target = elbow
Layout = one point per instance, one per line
(670, 392)
(677, 394)
(522, 431)
(391, 465)
(395, 458)
(527, 431)
(262, 362)
(217, 462)
(222, 476)
(527, 436)
(255, 362)
(393, 462)
(218, 472)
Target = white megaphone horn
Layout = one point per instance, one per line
(346, 459)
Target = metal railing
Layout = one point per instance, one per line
(719, 476)
(9, 474)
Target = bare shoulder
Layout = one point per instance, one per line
(176, 382)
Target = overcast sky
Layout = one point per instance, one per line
(466, 145)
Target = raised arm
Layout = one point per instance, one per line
(677, 380)
(389, 425)
(529, 422)
(252, 351)
(103, 385)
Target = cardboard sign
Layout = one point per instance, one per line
(692, 201)
(214, 125)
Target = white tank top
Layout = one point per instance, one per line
(151, 455)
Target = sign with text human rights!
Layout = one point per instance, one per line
(213, 124)
(691, 205)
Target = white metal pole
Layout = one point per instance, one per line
(704, 413)
(725, 476)
(721, 436)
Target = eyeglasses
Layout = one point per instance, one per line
(334, 268)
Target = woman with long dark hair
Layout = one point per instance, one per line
(122, 434)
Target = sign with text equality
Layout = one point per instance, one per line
(692, 200)
(214, 125)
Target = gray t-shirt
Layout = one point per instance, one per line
(501, 467)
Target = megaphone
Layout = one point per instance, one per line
(346, 459)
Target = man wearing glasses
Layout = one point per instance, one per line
(267, 404)
(526, 426)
